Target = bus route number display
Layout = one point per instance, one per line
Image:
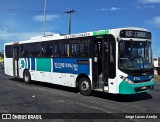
(135, 34)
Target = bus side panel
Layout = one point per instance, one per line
(43, 70)
(61, 71)
(71, 65)
(69, 68)
(41, 76)
(56, 78)
(112, 86)
(68, 79)
(8, 64)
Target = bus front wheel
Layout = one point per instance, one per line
(27, 77)
(85, 87)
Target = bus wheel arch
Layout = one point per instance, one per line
(27, 76)
(84, 84)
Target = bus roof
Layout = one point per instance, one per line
(65, 36)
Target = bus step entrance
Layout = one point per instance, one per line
(100, 90)
(105, 89)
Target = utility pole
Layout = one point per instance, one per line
(44, 26)
(70, 12)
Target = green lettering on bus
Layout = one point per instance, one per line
(96, 33)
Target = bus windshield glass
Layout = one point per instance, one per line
(135, 55)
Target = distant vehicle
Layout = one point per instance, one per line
(115, 61)
(158, 71)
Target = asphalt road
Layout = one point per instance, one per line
(18, 97)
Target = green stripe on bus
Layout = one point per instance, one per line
(96, 33)
(44, 64)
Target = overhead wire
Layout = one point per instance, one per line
(91, 22)
(77, 15)
(26, 11)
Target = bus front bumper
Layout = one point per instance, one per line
(127, 88)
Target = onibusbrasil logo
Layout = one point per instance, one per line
(22, 63)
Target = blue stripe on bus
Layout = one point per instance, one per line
(25, 62)
(32, 63)
(70, 65)
(28, 63)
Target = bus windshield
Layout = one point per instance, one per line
(135, 55)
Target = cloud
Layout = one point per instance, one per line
(155, 21)
(14, 37)
(109, 9)
(9, 37)
(144, 6)
(49, 17)
(149, 1)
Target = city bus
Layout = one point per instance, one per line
(117, 61)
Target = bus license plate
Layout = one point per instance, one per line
(144, 87)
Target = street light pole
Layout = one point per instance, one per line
(70, 12)
(44, 26)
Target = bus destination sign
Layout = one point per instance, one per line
(135, 34)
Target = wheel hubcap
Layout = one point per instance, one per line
(26, 77)
(85, 86)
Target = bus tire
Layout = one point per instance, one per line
(85, 86)
(27, 77)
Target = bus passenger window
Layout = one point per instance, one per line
(9, 51)
(84, 49)
(27, 50)
(75, 50)
(56, 50)
(38, 50)
(61, 49)
(21, 51)
(79, 48)
(45, 48)
(32, 53)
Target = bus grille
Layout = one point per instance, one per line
(139, 89)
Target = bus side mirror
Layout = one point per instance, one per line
(95, 59)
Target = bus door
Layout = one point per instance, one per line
(16, 61)
(105, 49)
(100, 63)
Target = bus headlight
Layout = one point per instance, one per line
(126, 79)
(152, 79)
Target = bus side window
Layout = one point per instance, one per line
(50, 49)
(9, 51)
(61, 48)
(75, 50)
(21, 51)
(47, 49)
(44, 51)
(26, 50)
(79, 47)
(33, 50)
(38, 50)
(56, 49)
(84, 48)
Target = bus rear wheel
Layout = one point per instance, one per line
(85, 86)
(27, 77)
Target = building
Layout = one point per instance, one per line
(156, 63)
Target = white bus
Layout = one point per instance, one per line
(117, 61)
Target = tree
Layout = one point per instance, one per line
(1, 55)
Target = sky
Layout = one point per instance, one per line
(23, 19)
